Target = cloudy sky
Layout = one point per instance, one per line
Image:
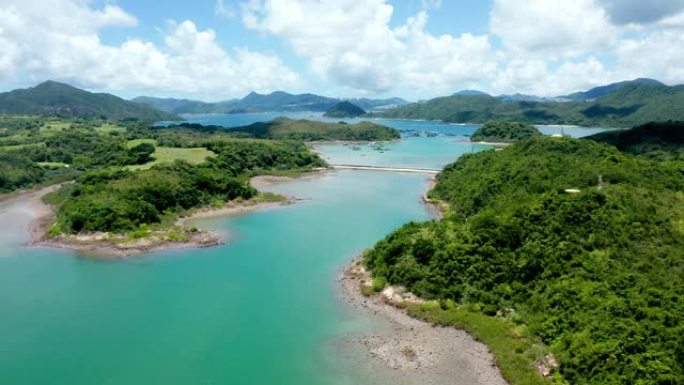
(220, 49)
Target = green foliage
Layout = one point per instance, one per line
(259, 156)
(598, 276)
(308, 130)
(123, 201)
(379, 283)
(17, 171)
(345, 110)
(662, 141)
(512, 351)
(625, 106)
(116, 200)
(141, 154)
(56, 99)
(504, 132)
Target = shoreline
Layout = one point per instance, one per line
(416, 350)
(113, 246)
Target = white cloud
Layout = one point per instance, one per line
(351, 43)
(63, 44)
(658, 55)
(221, 9)
(551, 28)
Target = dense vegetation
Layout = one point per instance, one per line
(504, 132)
(309, 130)
(344, 110)
(596, 275)
(115, 200)
(656, 140)
(57, 99)
(628, 105)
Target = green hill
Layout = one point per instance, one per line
(627, 105)
(566, 241)
(345, 110)
(57, 99)
(504, 132)
(309, 130)
(662, 140)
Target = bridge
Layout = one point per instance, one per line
(430, 171)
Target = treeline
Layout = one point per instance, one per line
(577, 243)
(121, 201)
(501, 131)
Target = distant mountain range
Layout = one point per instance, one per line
(623, 104)
(255, 102)
(58, 99)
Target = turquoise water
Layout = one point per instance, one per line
(262, 309)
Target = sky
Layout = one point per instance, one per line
(417, 49)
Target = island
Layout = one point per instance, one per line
(345, 110)
(504, 132)
(312, 130)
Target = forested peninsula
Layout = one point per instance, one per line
(563, 255)
(132, 181)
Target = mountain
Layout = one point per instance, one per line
(598, 92)
(255, 102)
(182, 106)
(58, 99)
(470, 93)
(629, 104)
(345, 110)
(378, 104)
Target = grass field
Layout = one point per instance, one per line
(109, 127)
(21, 146)
(169, 154)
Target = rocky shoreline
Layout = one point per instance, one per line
(419, 352)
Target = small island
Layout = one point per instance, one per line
(311, 130)
(345, 110)
(504, 132)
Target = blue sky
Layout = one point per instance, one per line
(221, 49)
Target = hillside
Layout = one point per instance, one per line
(255, 102)
(308, 130)
(504, 132)
(344, 110)
(598, 92)
(630, 104)
(661, 140)
(57, 99)
(595, 275)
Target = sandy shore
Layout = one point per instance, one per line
(418, 352)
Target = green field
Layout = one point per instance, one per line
(168, 154)
(21, 146)
(109, 127)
